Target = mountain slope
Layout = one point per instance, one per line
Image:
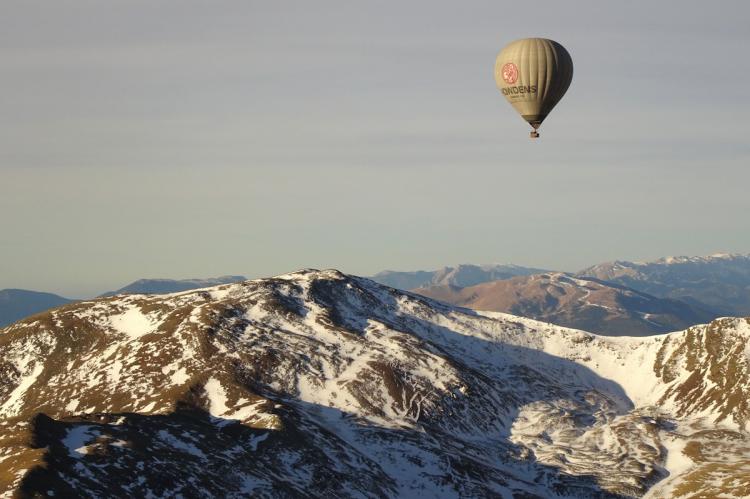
(166, 286)
(721, 282)
(321, 384)
(16, 304)
(462, 275)
(587, 304)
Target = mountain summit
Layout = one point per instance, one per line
(320, 384)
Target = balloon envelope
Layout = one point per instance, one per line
(533, 74)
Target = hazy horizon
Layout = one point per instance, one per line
(189, 139)
(116, 286)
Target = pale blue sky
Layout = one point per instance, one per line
(190, 139)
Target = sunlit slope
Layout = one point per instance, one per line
(581, 303)
(318, 383)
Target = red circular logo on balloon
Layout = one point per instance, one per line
(510, 73)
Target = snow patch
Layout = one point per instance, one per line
(132, 323)
(217, 398)
(677, 462)
(15, 400)
(256, 440)
(76, 439)
(176, 443)
(149, 407)
(177, 375)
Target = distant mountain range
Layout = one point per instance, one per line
(16, 304)
(165, 286)
(581, 303)
(462, 275)
(715, 285)
(720, 282)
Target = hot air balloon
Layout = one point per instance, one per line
(533, 74)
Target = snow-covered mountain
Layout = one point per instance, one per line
(319, 384)
(16, 304)
(720, 281)
(582, 303)
(461, 275)
(165, 286)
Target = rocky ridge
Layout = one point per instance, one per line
(318, 384)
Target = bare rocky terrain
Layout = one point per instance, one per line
(319, 384)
